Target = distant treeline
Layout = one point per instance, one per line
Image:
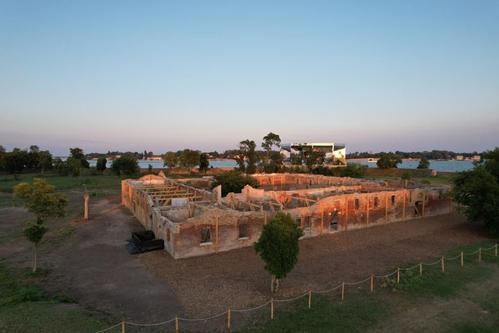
(430, 155)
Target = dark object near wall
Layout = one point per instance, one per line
(144, 241)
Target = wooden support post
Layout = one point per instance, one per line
(272, 309)
(342, 291)
(462, 259)
(228, 320)
(372, 282)
(177, 327)
(309, 299)
(398, 275)
(85, 204)
(122, 326)
(479, 254)
(442, 264)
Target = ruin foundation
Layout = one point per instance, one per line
(194, 221)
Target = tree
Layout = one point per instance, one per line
(15, 161)
(204, 162)
(189, 158)
(45, 161)
(76, 161)
(170, 159)
(278, 247)
(478, 191)
(248, 149)
(388, 161)
(125, 165)
(423, 163)
(41, 199)
(233, 181)
(101, 164)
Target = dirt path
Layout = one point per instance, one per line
(94, 268)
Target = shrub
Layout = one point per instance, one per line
(233, 181)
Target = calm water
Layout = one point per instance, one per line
(450, 166)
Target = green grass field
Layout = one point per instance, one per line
(465, 299)
(24, 307)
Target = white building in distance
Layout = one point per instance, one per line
(335, 153)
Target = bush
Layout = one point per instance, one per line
(125, 165)
(101, 164)
(233, 181)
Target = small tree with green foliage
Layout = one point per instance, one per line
(233, 181)
(189, 158)
(248, 149)
(204, 162)
(170, 159)
(423, 163)
(15, 161)
(41, 199)
(278, 247)
(125, 165)
(388, 161)
(101, 164)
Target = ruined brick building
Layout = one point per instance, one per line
(194, 221)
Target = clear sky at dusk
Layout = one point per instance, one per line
(135, 75)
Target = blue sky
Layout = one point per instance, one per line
(135, 75)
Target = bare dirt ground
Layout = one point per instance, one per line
(93, 267)
(237, 279)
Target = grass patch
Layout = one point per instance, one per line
(327, 314)
(24, 307)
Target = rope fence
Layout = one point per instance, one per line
(226, 318)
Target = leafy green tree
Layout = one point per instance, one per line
(45, 161)
(241, 162)
(270, 140)
(423, 163)
(388, 161)
(278, 247)
(15, 161)
(204, 162)
(101, 164)
(76, 161)
(313, 158)
(478, 191)
(248, 149)
(233, 181)
(353, 170)
(170, 159)
(41, 199)
(125, 165)
(189, 158)
(61, 167)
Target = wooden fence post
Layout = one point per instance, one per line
(442, 263)
(228, 319)
(271, 309)
(479, 254)
(342, 291)
(421, 269)
(177, 327)
(372, 282)
(122, 326)
(398, 275)
(309, 299)
(462, 259)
